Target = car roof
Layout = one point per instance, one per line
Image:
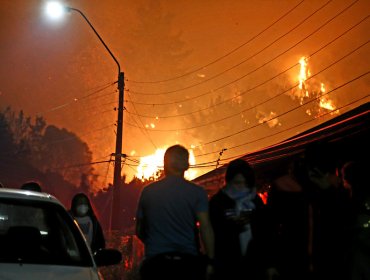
(28, 195)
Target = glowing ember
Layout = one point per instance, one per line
(322, 88)
(270, 119)
(151, 166)
(237, 97)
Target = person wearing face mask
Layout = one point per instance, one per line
(235, 213)
(83, 213)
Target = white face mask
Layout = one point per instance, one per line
(82, 209)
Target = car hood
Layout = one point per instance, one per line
(46, 272)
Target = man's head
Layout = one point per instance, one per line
(321, 160)
(176, 160)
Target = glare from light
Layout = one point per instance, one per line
(55, 10)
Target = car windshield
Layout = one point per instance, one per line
(40, 233)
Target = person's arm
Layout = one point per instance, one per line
(271, 222)
(140, 231)
(100, 240)
(206, 233)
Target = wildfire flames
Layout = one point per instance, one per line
(311, 89)
(150, 166)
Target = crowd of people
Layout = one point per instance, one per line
(314, 225)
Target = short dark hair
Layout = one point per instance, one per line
(176, 158)
(31, 186)
(321, 155)
(242, 167)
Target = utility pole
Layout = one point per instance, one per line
(115, 216)
(117, 179)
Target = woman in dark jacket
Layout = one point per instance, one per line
(83, 213)
(235, 213)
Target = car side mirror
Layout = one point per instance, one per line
(105, 257)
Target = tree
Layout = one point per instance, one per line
(7, 146)
(66, 154)
(43, 149)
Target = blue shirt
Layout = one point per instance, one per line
(168, 211)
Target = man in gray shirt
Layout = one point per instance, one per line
(167, 218)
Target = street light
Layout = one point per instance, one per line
(56, 10)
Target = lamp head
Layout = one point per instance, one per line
(55, 10)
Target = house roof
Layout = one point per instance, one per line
(350, 130)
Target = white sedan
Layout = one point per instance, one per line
(39, 240)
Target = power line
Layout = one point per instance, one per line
(75, 100)
(104, 95)
(285, 113)
(143, 127)
(211, 163)
(95, 107)
(95, 114)
(109, 103)
(252, 71)
(265, 101)
(252, 88)
(282, 131)
(131, 168)
(79, 136)
(285, 148)
(107, 156)
(95, 92)
(247, 59)
(225, 55)
(200, 165)
(83, 164)
(137, 163)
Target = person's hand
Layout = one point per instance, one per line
(243, 220)
(324, 180)
(272, 273)
(210, 271)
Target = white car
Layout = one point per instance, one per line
(39, 240)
